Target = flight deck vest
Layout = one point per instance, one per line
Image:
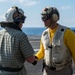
(57, 53)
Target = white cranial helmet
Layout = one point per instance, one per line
(52, 13)
(11, 11)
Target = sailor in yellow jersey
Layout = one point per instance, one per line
(57, 45)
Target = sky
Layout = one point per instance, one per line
(33, 9)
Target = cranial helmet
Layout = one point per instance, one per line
(10, 12)
(51, 13)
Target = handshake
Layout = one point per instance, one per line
(35, 62)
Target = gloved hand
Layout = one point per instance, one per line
(35, 62)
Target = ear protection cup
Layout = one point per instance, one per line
(17, 20)
(54, 14)
(55, 17)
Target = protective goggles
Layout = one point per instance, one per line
(23, 19)
(19, 19)
(45, 17)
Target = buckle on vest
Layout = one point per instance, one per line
(51, 68)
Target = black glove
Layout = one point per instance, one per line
(35, 62)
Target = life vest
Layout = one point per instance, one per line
(57, 53)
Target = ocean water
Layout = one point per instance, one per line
(37, 31)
